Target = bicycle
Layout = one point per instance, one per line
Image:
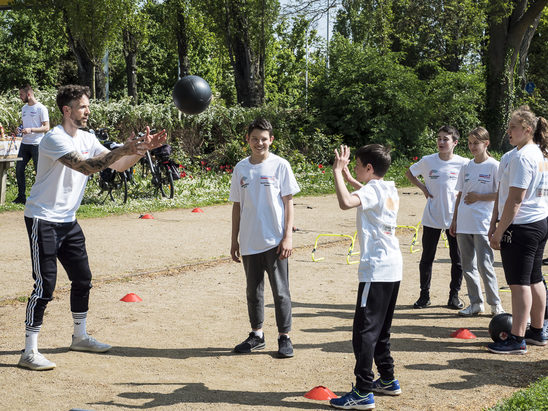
(112, 183)
(161, 168)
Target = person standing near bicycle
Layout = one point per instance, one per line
(67, 156)
(35, 118)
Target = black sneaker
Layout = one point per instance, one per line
(423, 301)
(455, 302)
(285, 348)
(20, 200)
(252, 343)
(536, 337)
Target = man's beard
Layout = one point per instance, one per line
(80, 123)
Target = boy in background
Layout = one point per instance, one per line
(379, 272)
(262, 190)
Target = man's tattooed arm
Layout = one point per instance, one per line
(92, 165)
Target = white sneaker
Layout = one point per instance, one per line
(472, 309)
(35, 361)
(88, 344)
(497, 309)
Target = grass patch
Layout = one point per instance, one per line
(534, 397)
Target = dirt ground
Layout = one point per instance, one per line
(173, 350)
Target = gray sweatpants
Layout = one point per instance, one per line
(255, 266)
(476, 255)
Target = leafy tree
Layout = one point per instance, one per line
(288, 67)
(30, 50)
(368, 96)
(134, 32)
(431, 34)
(508, 23)
(247, 28)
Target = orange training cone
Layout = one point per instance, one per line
(146, 217)
(463, 333)
(131, 298)
(197, 210)
(320, 393)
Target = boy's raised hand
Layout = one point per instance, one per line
(341, 159)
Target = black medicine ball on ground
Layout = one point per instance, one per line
(500, 327)
(191, 94)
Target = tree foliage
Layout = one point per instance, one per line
(398, 68)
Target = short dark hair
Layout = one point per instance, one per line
(67, 94)
(450, 130)
(377, 155)
(26, 86)
(262, 124)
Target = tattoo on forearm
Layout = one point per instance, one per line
(89, 166)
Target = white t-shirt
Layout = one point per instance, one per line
(482, 179)
(380, 256)
(259, 189)
(440, 178)
(527, 169)
(58, 190)
(33, 116)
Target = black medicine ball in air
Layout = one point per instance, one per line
(500, 327)
(191, 94)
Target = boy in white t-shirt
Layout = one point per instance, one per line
(439, 172)
(35, 118)
(379, 272)
(262, 189)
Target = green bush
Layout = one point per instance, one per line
(369, 97)
(455, 99)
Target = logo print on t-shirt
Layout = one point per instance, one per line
(243, 182)
(268, 181)
(434, 174)
(484, 178)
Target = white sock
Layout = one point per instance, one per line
(258, 333)
(31, 339)
(79, 324)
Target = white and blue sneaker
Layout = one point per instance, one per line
(386, 387)
(354, 401)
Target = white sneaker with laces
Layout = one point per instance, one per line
(88, 344)
(472, 309)
(35, 361)
(497, 309)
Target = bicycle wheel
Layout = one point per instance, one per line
(117, 191)
(165, 181)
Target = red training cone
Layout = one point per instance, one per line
(131, 298)
(197, 210)
(463, 333)
(320, 393)
(146, 217)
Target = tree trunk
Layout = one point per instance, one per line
(84, 63)
(247, 63)
(524, 51)
(182, 43)
(506, 34)
(130, 47)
